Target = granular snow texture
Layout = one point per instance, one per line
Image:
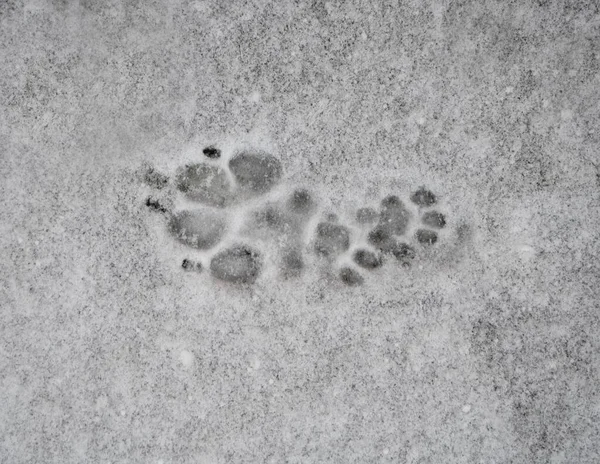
(299, 232)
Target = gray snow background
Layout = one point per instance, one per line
(487, 351)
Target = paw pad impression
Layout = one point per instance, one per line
(255, 172)
(197, 228)
(238, 264)
(331, 239)
(204, 183)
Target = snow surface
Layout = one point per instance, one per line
(484, 351)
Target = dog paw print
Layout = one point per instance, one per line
(394, 231)
(239, 219)
(213, 191)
